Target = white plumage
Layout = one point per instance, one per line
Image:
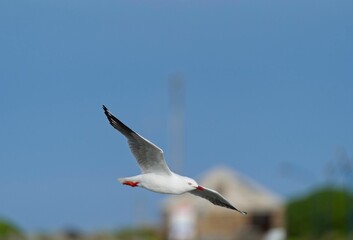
(156, 175)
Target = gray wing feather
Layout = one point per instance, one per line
(215, 198)
(149, 157)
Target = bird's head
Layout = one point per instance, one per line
(192, 183)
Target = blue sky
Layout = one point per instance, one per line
(268, 84)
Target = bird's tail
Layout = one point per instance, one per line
(129, 179)
(121, 180)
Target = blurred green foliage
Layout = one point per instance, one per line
(323, 214)
(9, 231)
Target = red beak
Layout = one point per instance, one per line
(200, 188)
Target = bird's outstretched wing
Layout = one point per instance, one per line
(214, 197)
(149, 157)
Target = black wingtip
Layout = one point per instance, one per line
(239, 211)
(116, 123)
(242, 212)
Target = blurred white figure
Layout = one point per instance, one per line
(182, 223)
(275, 234)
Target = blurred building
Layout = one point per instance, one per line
(187, 217)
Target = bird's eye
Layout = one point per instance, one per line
(189, 183)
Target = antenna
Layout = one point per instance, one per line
(176, 121)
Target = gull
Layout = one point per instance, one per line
(155, 173)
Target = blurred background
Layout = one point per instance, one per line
(253, 98)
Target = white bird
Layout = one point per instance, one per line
(156, 175)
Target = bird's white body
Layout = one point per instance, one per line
(156, 175)
(160, 183)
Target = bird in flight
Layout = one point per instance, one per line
(155, 173)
